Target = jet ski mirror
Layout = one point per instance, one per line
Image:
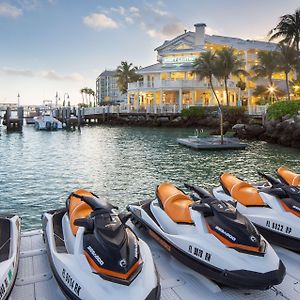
(88, 224)
(124, 216)
(203, 208)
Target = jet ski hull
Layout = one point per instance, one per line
(241, 279)
(10, 235)
(78, 281)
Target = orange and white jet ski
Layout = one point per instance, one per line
(209, 236)
(274, 208)
(94, 255)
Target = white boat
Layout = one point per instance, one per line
(47, 122)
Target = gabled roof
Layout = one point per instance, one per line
(189, 37)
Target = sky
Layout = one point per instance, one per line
(61, 46)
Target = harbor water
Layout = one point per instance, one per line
(38, 170)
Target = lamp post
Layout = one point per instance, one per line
(56, 99)
(18, 99)
(68, 97)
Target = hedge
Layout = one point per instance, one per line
(283, 108)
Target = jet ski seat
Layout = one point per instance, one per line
(241, 191)
(288, 176)
(174, 202)
(77, 208)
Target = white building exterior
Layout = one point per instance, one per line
(170, 81)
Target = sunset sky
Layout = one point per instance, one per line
(50, 46)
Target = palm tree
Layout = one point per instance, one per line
(228, 64)
(288, 60)
(82, 91)
(267, 65)
(205, 67)
(288, 29)
(126, 73)
(296, 86)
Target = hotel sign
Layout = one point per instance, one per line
(179, 59)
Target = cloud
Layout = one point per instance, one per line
(120, 10)
(29, 4)
(9, 10)
(47, 74)
(166, 31)
(156, 10)
(99, 21)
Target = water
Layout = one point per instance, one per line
(38, 170)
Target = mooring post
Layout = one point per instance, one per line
(7, 117)
(21, 115)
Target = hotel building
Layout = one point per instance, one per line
(171, 82)
(107, 89)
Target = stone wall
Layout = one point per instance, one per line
(284, 132)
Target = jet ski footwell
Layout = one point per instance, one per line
(35, 280)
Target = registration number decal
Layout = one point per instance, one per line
(279, 227)
(74, 286)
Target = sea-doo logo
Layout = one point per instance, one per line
(225, 233)
(136, 251)
(296, 208)
(92, 251)
(123, 263)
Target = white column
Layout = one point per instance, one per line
(180, 100)
(154, 104)
(193, 97)
(212, 99)
(161, 98)
(137, 100)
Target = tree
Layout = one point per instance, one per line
(288, 60)
(296, 86)
(267, 65)
(288, 29)
(82, 91)
(126, 73)
(205, 67)
(228, 64)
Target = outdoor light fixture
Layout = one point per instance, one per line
(271, 89)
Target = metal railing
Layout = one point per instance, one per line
(176, 84)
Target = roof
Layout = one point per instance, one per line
(108, 73)
(237, 43)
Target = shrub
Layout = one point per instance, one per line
(280, 109)
(232, 114)
(194, 112)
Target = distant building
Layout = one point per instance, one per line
(171, 81)
(107, 89)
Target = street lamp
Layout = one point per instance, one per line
(68, 97)
(18, 99)
(56, 99)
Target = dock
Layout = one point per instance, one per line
(35, 280)
(211, 143)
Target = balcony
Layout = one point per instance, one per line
(174, 84)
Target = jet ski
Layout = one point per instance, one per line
(209, 236)
(288, 177)
(94, 255)
(10, 234)
(273, 208)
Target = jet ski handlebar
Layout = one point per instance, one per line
(95, 203)
(198, 190)
(274, 182)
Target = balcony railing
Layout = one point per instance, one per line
(175, 84)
